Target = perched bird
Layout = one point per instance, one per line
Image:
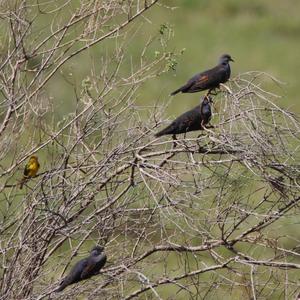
(30, 170)
(210, 79)
(192, 120)
(85, 268)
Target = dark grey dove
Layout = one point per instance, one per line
(85, 268)
(194, 119)
(210, 79)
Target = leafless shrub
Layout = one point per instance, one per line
(209, 214)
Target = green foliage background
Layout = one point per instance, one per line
(261, 35)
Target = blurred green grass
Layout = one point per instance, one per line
(261, 35)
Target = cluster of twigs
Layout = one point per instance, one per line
(212, 213)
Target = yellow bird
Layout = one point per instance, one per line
(30, 170)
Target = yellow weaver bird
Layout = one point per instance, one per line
(30, 170)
